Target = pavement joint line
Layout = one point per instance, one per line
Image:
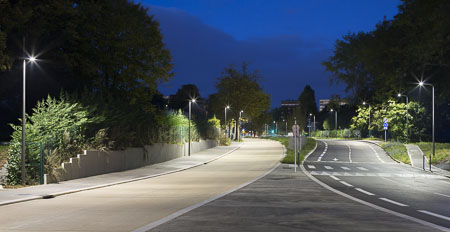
(195, 206)
(446, 182)
(392, 202)
(435, 214)
(364, 191)
(404, 216)
(346, 184)
(52, 195)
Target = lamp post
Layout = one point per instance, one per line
(239, 126)
(407, 115)
(189, 145)
(314, 121)
(225, 123)
(276, 127)
(335, 118)
(368, 126)
(421, 84)
(286, 126)
(32, 59)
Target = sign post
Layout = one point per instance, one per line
(295, 132)
(385, 127)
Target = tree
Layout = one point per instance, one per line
(240, 89)
(181, 99)
(307, 105)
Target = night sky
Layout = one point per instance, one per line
(285, 40)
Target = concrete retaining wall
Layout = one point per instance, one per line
(93, 163)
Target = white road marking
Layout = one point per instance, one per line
(435, 214)
(365, 192)
(362, 169)
(324, 151)
(349, 153)
(311, 167)
(328, 167)
(347, 184)
(440, 194)
(376, 154)
(345, 168)
(392, 202)
(334, 178)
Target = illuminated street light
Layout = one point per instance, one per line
(31, 59)
(335, 119)
(421, 84)
(368, 126)
(407, 105)
(226, 129)
(189, 145)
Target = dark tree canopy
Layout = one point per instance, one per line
(181, 99)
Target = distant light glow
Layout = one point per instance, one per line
(32, 59)
(193, 100)
(364, 103)
(399, 95)
(421, 83)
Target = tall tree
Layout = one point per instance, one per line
(307, 105)
(241, 90)
(181, 99)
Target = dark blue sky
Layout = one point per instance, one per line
(285, 40)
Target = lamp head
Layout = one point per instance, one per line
(332, 110)
(310, 114)
(421, 83)
(364, 103)
(193, 100)
(228, 107)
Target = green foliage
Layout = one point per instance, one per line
(289, 158)
(62, 124)
(338, 134)
(397, 151)
(396, 115)
(442, 151)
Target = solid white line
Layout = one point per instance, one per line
(393, 202)
(345, 168)
(328, 167)
(192, 207)
(311, 167)
(365, 192)
(347, 184)
(435, 214)
(363, 169)
(440, 194)
(417, 220)
(334, 178)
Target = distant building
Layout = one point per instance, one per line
(289, 103)
(323, 103)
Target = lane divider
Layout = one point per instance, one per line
(435, 214)
(349, 153)
(392, 202)
(346, 184)
(324, 151)
(364, 191)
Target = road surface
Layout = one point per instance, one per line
(364, 171)
(131, 206)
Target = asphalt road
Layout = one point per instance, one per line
(364, 171)
(131, 206)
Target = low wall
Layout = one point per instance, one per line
(301, 139)
(93, 163)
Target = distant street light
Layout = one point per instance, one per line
(32, 59)
(189, 145)
(335, 119)
(239, 127)
(421, 84)
(226, 130)
(286, 126)
(368, 126)
(407, 105)
(314, 121)
(276, 127)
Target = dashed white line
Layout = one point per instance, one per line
(392, 202)
(328, 167)
(376, 154)
(347, 184)
(324, 151)
(362, 169)
(334, 178)
(345, 168)
(349, 153)
(311, 167)
(440, 194)
(364, 191)
(434, 214)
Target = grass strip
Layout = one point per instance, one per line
(3, 154)
(397, 151)
(442, 153)
(289, 158)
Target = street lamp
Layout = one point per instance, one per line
(276, 127)
(31, 59)
(239, 127)
(189, 145)
(286, 126)
(368, 126)
(335, 119)
(407, 105)
(421, 84)
(226, 130)
(314, 121)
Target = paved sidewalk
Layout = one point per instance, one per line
(10, 196)
(417, 160)
(287, 201)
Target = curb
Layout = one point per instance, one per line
(53, 195)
